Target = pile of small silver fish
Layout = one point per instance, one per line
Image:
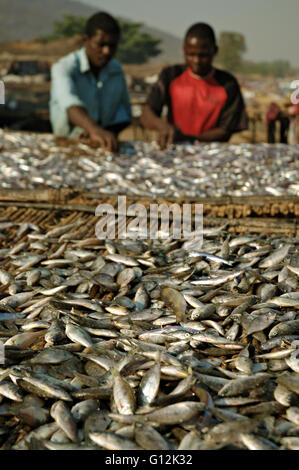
(29, 160)
(148, 344)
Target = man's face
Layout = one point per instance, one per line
(100, 48)
(199, 54)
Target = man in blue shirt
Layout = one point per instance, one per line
(88, 91)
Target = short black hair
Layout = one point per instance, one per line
(201, 31)
(103, 21)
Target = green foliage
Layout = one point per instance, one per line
(231, 48)
(134, 47)
(66, 28)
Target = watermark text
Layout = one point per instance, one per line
(158, 221)
(2, 354)
(295, 94)
(2, 92)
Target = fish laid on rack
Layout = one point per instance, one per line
(29, 160)
(148, 345)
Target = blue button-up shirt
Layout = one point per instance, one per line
(106, 99)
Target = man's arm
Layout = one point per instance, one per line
(212, 135)
(64, 91)
(78, 116)
(157, 98)
(149, 119)
(166, 131)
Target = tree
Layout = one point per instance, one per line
(66, 28)
(231, 48)
(134, 47)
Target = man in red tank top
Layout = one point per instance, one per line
(204, 103)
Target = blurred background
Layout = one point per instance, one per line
(258, 43)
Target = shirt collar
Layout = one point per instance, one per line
(84, 62)
(111, 68)
(206, 78)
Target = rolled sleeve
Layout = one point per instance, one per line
(63, 89)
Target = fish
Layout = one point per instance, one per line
(216, 259)
(11, 391)
(149, 385)
(176, 413)
(112, 441)
(175, 301)
(123, 394)
(148, 438)
(16, 300)
(63, 417)
(276, 257)
(254, 443)
(43, 388)
(216, 281)
(81, 410)
(5, 277)
(183, 171)
(133, 354)
(78, 335)
(243, 385)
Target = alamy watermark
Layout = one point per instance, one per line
(2, 354)
(153, 222)
(295, 94)
(2, 92)
(295, 354)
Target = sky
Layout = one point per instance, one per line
(270, 27)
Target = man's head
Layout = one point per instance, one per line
(200, 48)
(102, 33)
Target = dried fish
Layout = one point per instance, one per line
(113, 441)
(65, 420)
(135, 356)
(183, 170)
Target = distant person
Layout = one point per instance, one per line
(293, 111)
(89, 94)
(204, 103)
(275, 114)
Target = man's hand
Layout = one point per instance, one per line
(97, 136)
(104, 139)
(166, 134)
(166, 131)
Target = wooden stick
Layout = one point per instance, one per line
(36, 195)
(64, 194)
